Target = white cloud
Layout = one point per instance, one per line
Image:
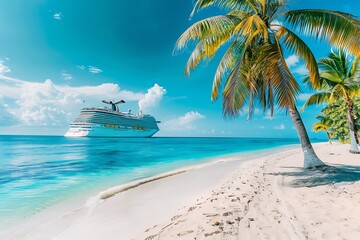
(301, 70)
(276, 22)
(57, 16)
(82, 67)
(7, 117)
(3, 69)
(292, 60)
(45, 103)
(152, 98)
(183, 123)
(190, 117)
(268, 116)
(91, 69)
(293, 63)
(94, 70)
(281, 127)
(304, 96)
(66, 76)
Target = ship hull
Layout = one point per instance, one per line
(101, 131)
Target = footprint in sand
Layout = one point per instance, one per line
(191, 208)
(151, 237)
(217, 223)
(211, 214)
(210, 234)
(184, 233)
(227, 214)
(175, 217)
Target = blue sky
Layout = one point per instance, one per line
(57, 56)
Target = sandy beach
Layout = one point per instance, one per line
(252, 196)
(274, 198)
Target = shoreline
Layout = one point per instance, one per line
(76, 198)
(205, 162)
(95, 201)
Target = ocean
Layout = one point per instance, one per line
(37, 172)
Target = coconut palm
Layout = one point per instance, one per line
(335, 115)
(339, 75)
(323, 125)
(253, 67)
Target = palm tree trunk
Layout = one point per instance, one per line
(355, 130)
(353, 145)
(329, 137)
(310, 157)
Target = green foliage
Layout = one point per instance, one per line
(334, 116)
(339, 87)
(338, 79)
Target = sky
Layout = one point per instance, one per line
(58, 56)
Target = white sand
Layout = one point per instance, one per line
(274, 198)
(271, 197)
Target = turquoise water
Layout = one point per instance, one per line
(37, 172)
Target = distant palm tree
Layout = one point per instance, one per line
(323, 125)
(254, 67)
(339, 79)
(335, 115)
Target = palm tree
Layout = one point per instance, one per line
(323, 125)
(335, 115)
(339, 80)
(253, 67)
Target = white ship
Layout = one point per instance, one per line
(103, 122)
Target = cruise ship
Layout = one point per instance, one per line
(104, 122)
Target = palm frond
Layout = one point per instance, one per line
(354, 91)
(263, 6)
(194, 59)
(341, 62)
(212, 29)
(316, 99)
(251, 28)
(330, 71)
(271, 63)
(236, 90)
(354, 73)
(252, 25)
(239, 14)
(338, 28)
(323, 84)
(228, 61)
(244, 5)
(266, 96)
(201, 52)
(319, 126)
(273, 7)
(295, 44)
(338, 92)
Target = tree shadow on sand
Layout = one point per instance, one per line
(330, 175)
